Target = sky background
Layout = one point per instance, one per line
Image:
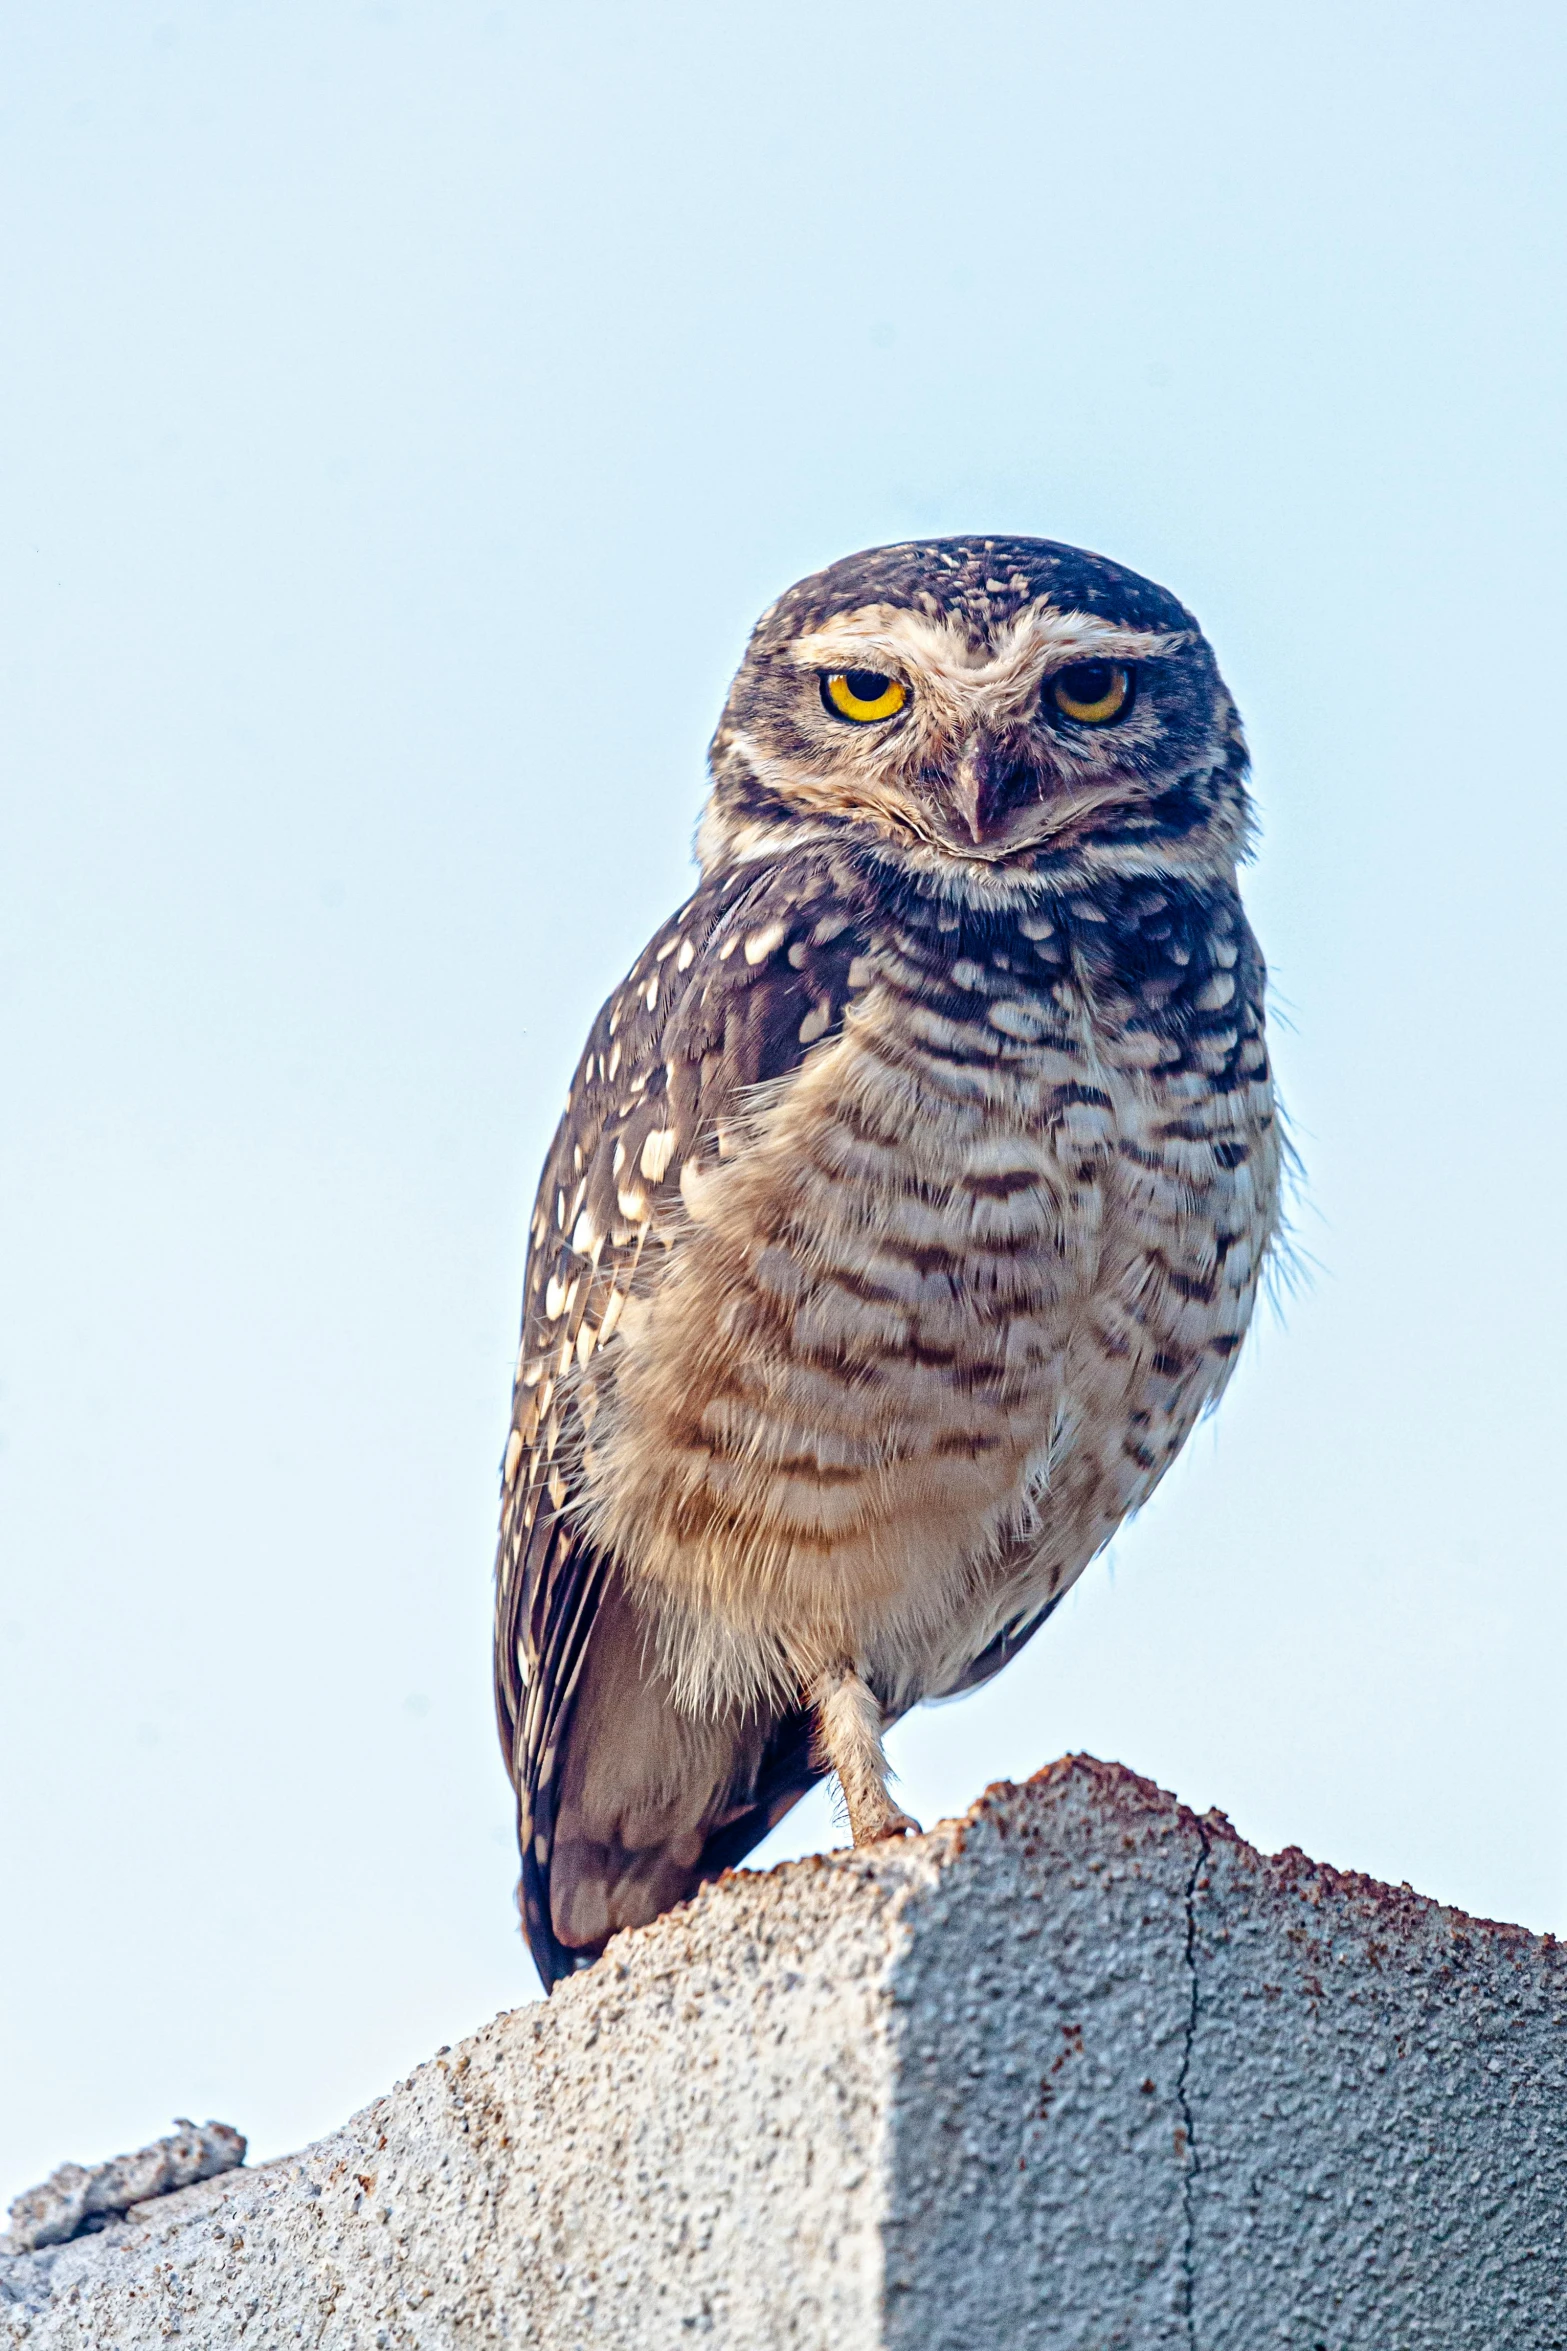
(405, 411)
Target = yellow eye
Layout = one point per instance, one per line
(1092, 692)
(863, 695)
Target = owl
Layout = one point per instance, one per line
(907, 1211)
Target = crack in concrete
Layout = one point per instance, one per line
(1191, 2162)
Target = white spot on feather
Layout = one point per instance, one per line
(612, 1314)
(1014, 1019)
(761, 943)
(558, 1297)
(657, 1151)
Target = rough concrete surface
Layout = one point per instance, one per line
(1080, 2072)
(77, 2194)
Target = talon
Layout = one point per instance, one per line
(898, 1824)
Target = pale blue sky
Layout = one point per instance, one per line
(406, 411)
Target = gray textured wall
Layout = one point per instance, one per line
(1080, 2071)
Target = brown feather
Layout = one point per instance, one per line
(908, 1209)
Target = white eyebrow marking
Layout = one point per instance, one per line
(956, 669)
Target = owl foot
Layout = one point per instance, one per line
(849, 1727)
(896, 1824)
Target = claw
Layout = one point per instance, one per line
(896, 1824)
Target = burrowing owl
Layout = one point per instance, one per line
(907, 1210)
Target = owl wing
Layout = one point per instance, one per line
(731, 994)
(1000, 1651)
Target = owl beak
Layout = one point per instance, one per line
(990, 786)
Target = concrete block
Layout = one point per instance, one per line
(1079, 2071)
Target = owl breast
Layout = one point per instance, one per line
(945, 1302)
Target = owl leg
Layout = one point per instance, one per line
(848, 1724)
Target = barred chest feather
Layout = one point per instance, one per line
(882, 1343)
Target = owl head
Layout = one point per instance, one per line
(992, 713)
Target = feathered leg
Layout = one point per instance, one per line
(849, 1723)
